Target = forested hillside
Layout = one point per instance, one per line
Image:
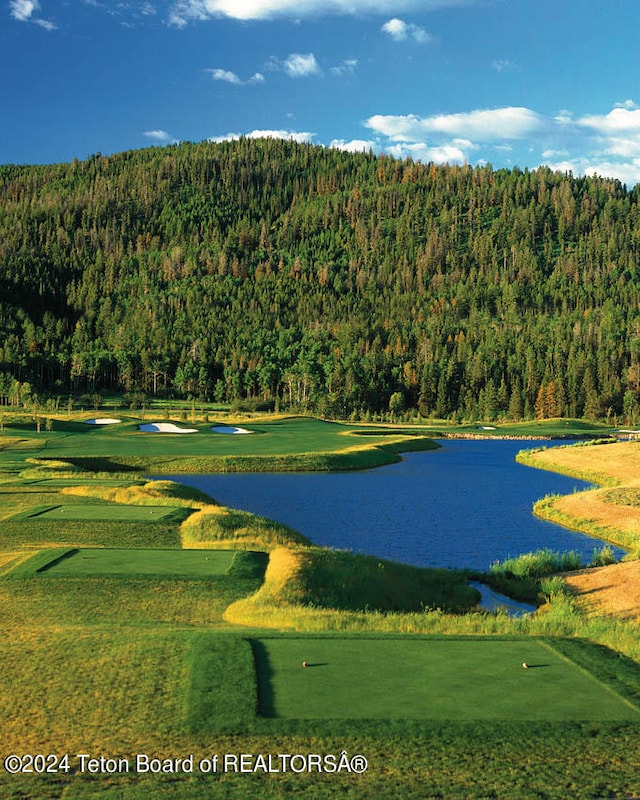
(313, 278)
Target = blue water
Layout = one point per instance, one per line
(464, 505)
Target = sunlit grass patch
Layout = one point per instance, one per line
(428, 679)
(609, 464)
(156, 563)
(315, 579)
(95, 690)
(222, 527)
(142, 493)
(10, 560)
(99, 512)
(37, 603)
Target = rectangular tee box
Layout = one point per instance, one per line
(158, 563)
(104, 512)
(386, 678)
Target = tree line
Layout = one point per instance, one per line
(277, 273)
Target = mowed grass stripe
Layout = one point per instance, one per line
(98, 512)
(421, 679)
(157, 563)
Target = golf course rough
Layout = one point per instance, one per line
(111, 663)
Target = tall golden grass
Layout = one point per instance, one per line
(600, 512)
(9, 560)
(604, 464)
(227, 528)
(157, 493)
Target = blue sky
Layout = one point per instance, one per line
(510, 82)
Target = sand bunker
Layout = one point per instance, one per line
(164, 427)
(101, 421)
(229, 429)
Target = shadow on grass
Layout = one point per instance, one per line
(100, 464)
(264, 675)
(248, 564)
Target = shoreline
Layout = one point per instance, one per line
(591, 511)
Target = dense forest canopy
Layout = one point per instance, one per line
(312, 278)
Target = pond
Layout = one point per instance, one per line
(464, 505)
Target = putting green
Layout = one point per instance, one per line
(158, 563)
(428, 679)
(98, 512)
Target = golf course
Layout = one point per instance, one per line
(157, 644)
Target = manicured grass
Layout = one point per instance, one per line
(158, 563)
(102, 512)
(296, 443)
(428, 679)
(279, 437)
(186, 564)
(545, 428)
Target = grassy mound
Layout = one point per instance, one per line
(314, 579)
(149, 493)
(349, 581)
(221, 527)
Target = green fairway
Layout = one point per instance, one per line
(284, 436)
(158, 563)
(282, 444)
(428, 679)
(98, 512)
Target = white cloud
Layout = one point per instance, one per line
(554, 153)
(301, 65)
(23, 11)
(484, 125)
(160, 136)
(354, 146)
(618, 120)
(629, 104)
(46, 24)
(293, 136)
(444, 154)
(617, 135)
(397, 29)
(627, 172)
(227, 76)
(604, 144)
(185, 11)
(224, 75)
(346, 68)
(400, 31)
(420, 35)
(504, 65)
